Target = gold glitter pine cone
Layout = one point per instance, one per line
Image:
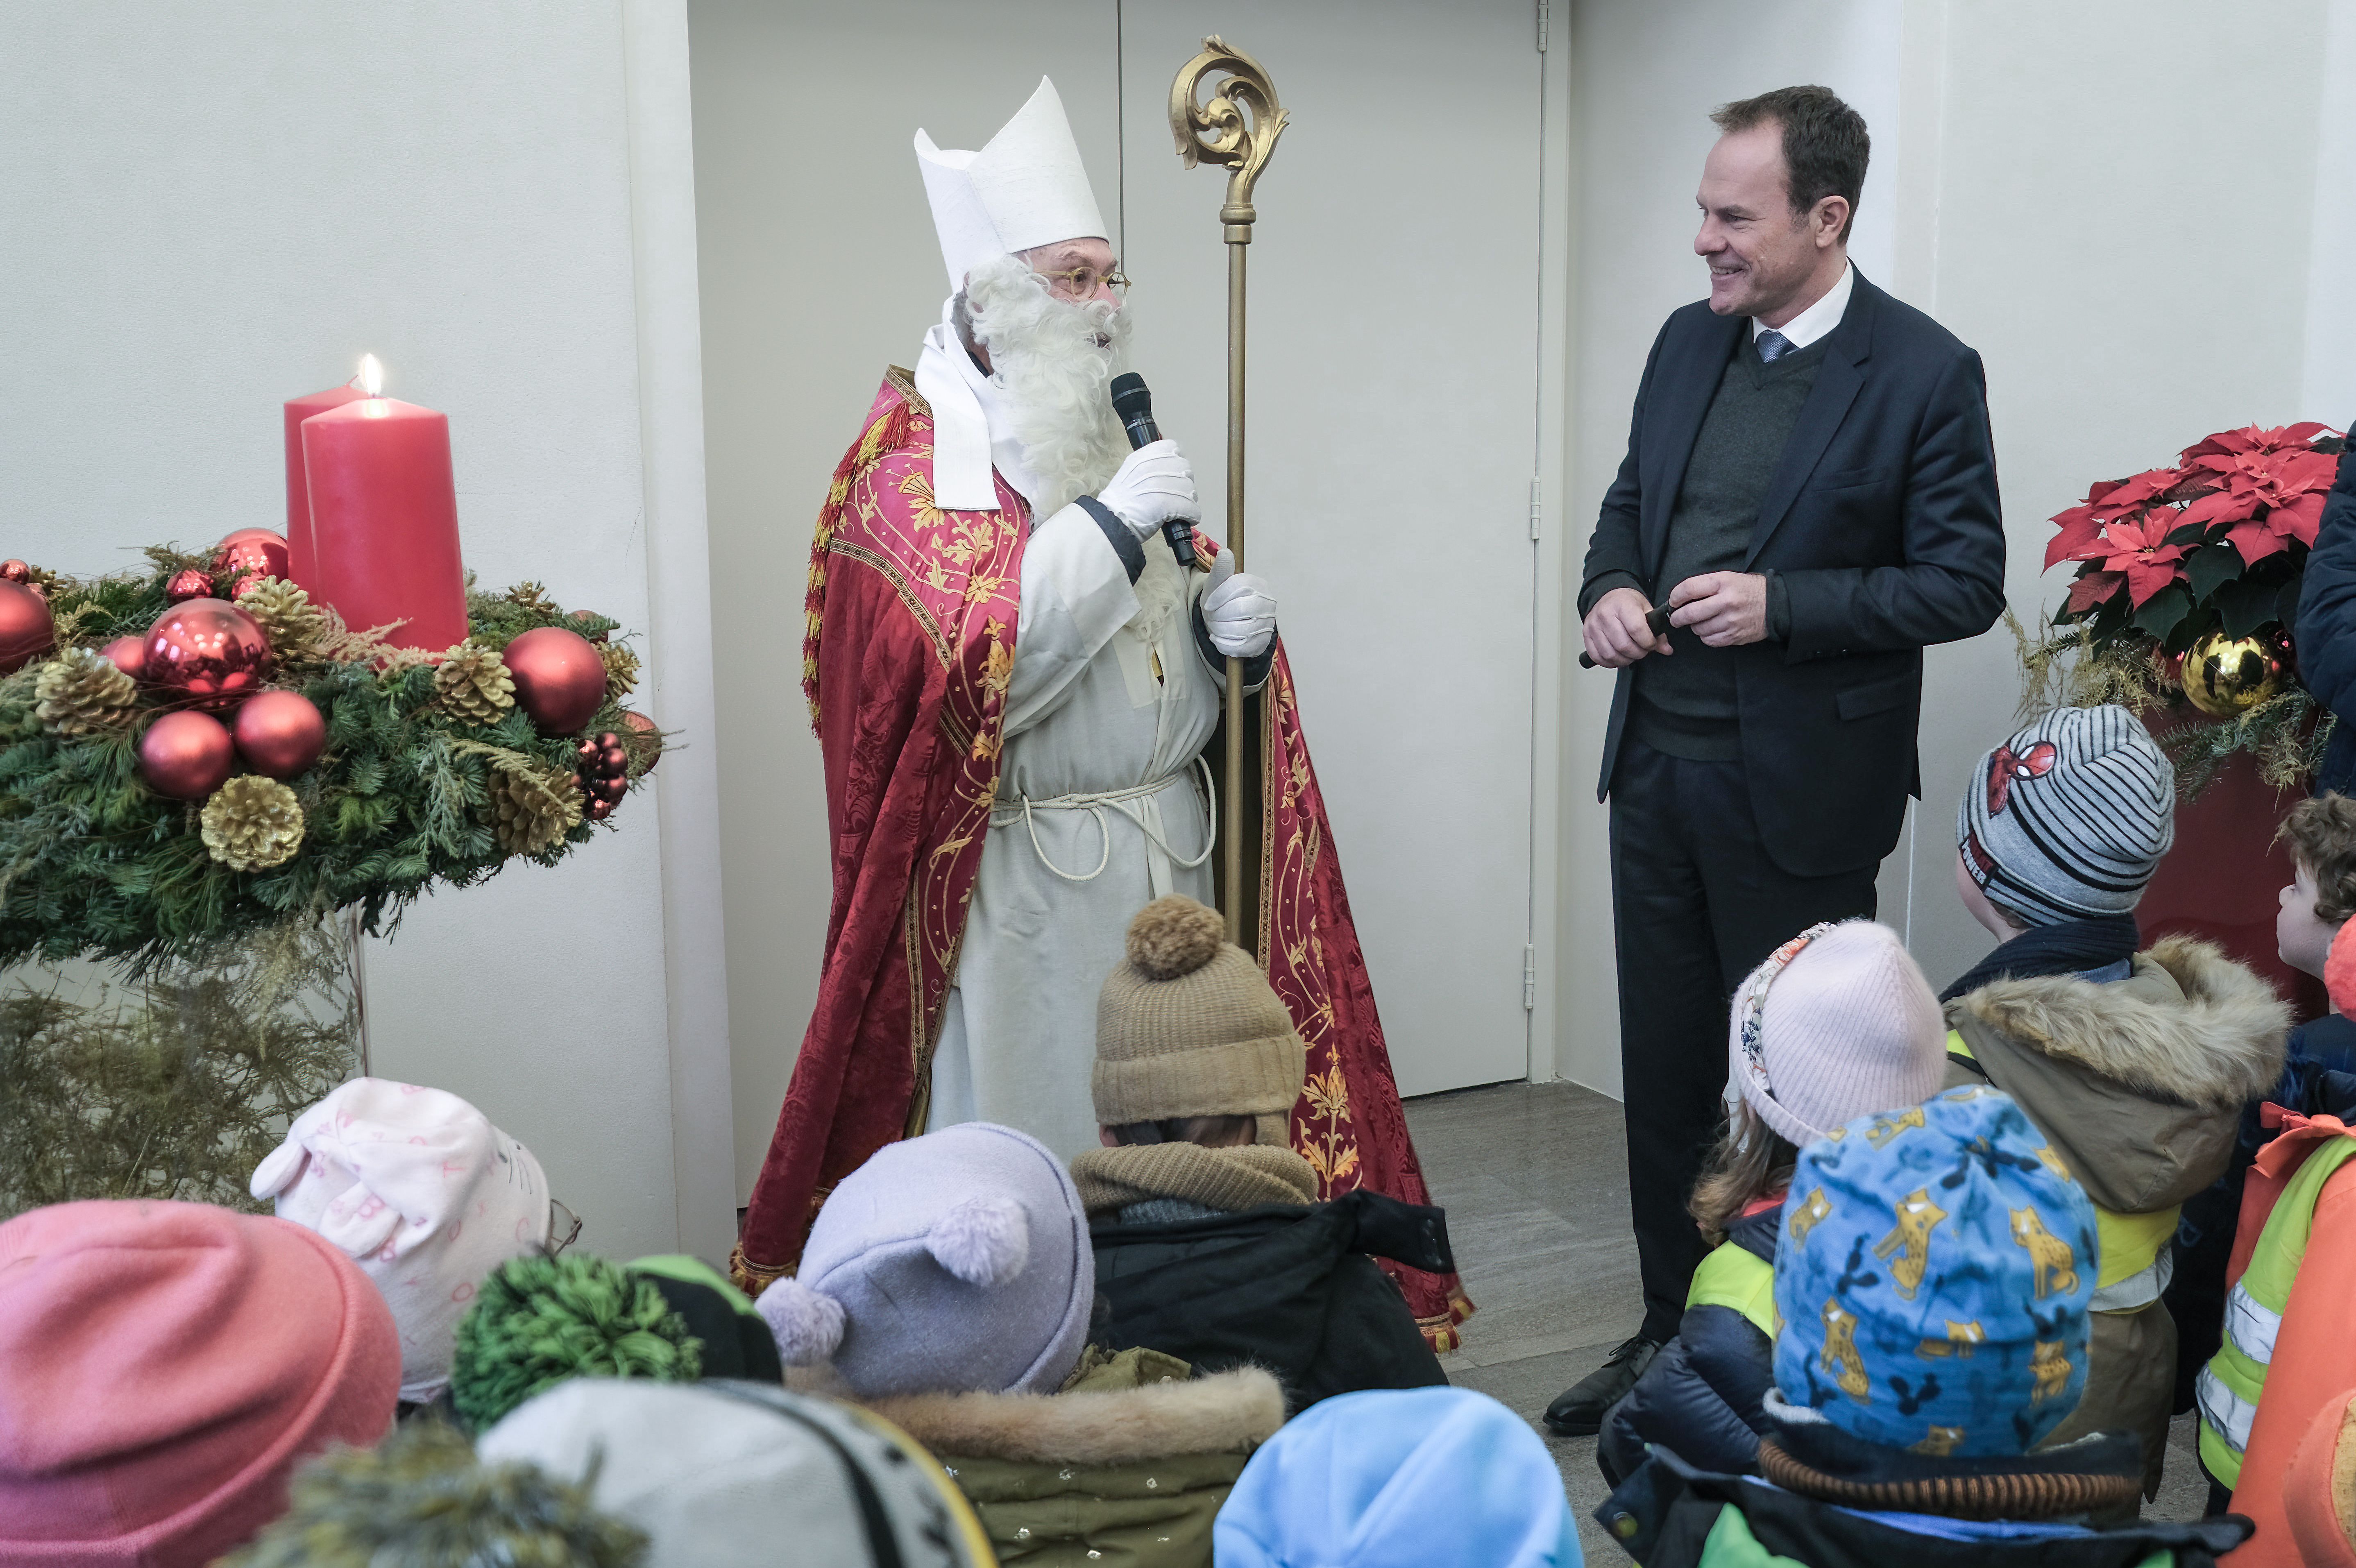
(621, 670)
(287, 617)
(81, 692)
(252, 823)
(531, 813)
(474, 685)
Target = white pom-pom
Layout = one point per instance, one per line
(808, 1326)
(982, 1240)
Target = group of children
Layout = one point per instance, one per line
(1975, 1249)
(1166, 1353)
(1971, 1253)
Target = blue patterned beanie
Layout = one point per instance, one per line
(1933, 1278)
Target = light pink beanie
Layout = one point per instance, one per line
(1836, 1024)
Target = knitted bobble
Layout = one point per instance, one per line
(1174, 936)
(539, 1320)
(982, 1240)
(808, 1326)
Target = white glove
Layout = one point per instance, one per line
(1238, 611)
(1154, 484)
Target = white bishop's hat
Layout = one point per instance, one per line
(1026, 188)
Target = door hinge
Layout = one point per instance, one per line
(1530, 978)
(1544, 8)
(1537, 506)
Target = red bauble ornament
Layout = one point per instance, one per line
(208, 653)
(187, 585)
(15, 571)
(646, 729)
(279, 733)
(27, 629)
(128, 655)
(605, 773)
(586, 616)
(251, 553)
(560, 680)
(187, 755)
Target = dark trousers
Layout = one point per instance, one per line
(1696, 902)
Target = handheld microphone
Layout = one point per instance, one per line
(1656, 620)
(1134, 404)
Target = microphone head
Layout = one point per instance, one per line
(1131, 400)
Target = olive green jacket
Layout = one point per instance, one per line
(1126, 1467)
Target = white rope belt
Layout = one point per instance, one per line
(1136, 803)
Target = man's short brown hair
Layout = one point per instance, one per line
(1826, 147)
(2321, 833)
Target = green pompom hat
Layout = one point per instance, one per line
(542, 1320)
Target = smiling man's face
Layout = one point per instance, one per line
(1762, 255)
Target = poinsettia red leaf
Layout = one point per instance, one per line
(2305, 431)
(2297, 519)
(2220, 506)
(2078, 534)
(2255, 540)
(2092, 589)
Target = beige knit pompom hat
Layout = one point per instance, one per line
(1187, 1026)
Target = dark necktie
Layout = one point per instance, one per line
(1772, 346)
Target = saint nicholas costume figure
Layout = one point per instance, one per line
(1018, 691)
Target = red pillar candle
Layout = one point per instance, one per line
(298, 491)
(384, 520)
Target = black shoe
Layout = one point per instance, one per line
(1578, 1411)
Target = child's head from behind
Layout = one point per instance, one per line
(956, 1261)
(1934, 1277)
(1192, 1045)
(2066, 820)
(2321, 837)
(1836, 1022)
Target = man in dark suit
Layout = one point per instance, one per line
(1810, 493)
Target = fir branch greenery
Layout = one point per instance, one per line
(93, 863)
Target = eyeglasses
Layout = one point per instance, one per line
(1080, 283)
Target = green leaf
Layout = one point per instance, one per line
(2210, 567)
(2244, 607)
(2162, 610)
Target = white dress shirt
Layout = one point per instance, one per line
(1818, 318)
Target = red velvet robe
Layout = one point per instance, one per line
(913, 614)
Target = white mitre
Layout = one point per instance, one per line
(1025, 187)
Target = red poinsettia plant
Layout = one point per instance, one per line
(2217, 541)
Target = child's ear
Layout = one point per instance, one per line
(1105, 1137)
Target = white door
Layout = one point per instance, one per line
(1394, 325)
(1393, 353)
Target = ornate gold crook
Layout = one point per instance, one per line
(1218, 132)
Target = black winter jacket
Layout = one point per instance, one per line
(2326, 628)
(1282, 1286)
(1703, 1394)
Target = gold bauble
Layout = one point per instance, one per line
(2228, 675)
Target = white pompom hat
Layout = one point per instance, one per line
(952, 1261)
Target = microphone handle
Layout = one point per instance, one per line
(1656, 620)
(1177, 530)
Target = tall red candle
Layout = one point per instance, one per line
(298, 491)
(384, 520)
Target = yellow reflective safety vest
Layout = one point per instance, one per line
(1740, 1280)
(2229, 1387)
(2133, 1268)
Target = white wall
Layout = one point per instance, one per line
(212, 209)
(2136, 273)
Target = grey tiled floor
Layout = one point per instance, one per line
(1535, 1181)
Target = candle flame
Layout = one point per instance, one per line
(371, 375)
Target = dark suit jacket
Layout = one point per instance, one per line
(1883, 523)
(2326, 628)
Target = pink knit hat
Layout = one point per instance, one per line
(165, 1367)
(1836, 1024)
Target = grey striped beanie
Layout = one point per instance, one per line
(2069, 817)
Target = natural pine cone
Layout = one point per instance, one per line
(532, 811)
(532, 596)
(474, 683)
(251, 823)
(288, 618)
(621, 670)
(80, 691)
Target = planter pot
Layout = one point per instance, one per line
(172, 1082)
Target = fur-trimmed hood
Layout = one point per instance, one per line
(2138, 1083)
(2191, 1025)
(1225, 1412)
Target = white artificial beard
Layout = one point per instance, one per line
(1056, 361)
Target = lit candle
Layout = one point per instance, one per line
(298, 490)
(384, 517)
